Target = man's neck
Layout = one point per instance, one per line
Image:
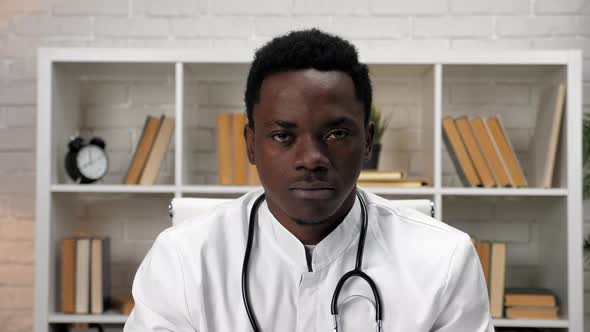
(313, 232)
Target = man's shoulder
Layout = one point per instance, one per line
(398, 224)
(223, 220)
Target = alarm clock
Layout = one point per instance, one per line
(86, 162)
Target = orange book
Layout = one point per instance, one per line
(489, 152)
(505, 150)
(239, 149)
(530, 297)
(158, 152)
(68, 275)
(483, 251)
(144, 146)
(532, 313)
(459, 154)
(474, 152)
(224, 148)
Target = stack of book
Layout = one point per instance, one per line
(150, 150)
(492, 256)
(391, 178)
(234, 167)
(531, 303)
(482, 153)
(85, 277)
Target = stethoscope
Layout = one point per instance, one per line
(357, 272)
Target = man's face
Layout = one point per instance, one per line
(309, 143)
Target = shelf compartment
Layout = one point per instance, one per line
(208, 90)
(534, 230)
(131, 221)
(513, 92)
(405, 94)
(110, 101)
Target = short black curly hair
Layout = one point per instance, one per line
(302, 50)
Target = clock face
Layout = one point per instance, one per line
(92, 162)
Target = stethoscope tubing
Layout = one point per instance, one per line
(356, 272)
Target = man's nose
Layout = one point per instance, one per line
(310, 154)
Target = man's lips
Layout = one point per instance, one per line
(313, 190)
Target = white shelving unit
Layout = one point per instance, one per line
(72, 84)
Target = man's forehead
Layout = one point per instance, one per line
(308, 76)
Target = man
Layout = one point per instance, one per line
(308, 101)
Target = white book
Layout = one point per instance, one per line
(96, 273)
(543, 147)
(82, 275)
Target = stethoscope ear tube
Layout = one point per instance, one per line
(245, 288)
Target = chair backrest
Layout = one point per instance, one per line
(182, 209)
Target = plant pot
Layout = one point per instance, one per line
(374, 161)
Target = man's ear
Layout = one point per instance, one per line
(249, 138)
(369, 137)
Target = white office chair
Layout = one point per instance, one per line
(182, 209)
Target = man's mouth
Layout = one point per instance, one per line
(313, 190)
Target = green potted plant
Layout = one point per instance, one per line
(381, 124)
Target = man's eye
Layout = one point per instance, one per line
(337, 134)
(281, 137)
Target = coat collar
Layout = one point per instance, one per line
(325, 252)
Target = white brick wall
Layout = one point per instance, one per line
(115, 105)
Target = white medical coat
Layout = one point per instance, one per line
(428, 275)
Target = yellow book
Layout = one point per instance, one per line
(367, 175)
(474, 152)
(158, 152)
(224, 148)
(240, 163)
(459, 154)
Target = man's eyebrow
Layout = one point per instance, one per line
(344, 120)
(280, 123)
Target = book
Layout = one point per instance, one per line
(99, 275)
(489, 152)
(459, 155)
(483, 252)
(543, 146)
(124, 304)
(240, 169)
(68, 275)
(474, 152)
(142, 150)
(532, 312)
(158, 151)
(532, 297)
(505, 151)
(252, 177)
(224, 148)
(82, 275)
(497, 278)
(380, 176)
